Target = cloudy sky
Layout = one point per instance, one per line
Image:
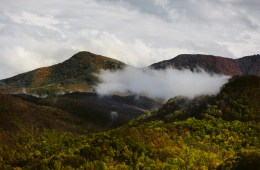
(36, 33)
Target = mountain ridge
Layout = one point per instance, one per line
(213, 64)
(78, 73)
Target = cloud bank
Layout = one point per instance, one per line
(160, 83)
(138, 32)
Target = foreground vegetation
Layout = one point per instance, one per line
(190, 144)
(221, 132)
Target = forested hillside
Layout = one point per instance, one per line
(222, 133)
(77, 74)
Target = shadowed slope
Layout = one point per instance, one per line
(103, 112)
(18, 115)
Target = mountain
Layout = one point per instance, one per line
(74, 74)
(81, 130)
(213, 64)
(68, 87)
(77, 74)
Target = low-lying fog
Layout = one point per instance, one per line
(160, 83)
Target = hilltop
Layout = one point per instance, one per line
(213, 64)
(77, 74)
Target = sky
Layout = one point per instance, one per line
(36, 33)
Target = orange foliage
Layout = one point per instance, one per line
(41, 75)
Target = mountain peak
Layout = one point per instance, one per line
(83, 54)
(75, 74)
(87, 54)
(92, 61)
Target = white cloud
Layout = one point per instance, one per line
(160, 83)
(136, 32)
(33, 19)
(18, 58)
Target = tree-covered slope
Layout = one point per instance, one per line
(248, 65)
(209, 138)
(238, 100)
(74, 74)
(17, 115)
(104, 112)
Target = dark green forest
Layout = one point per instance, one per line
(207, 132)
